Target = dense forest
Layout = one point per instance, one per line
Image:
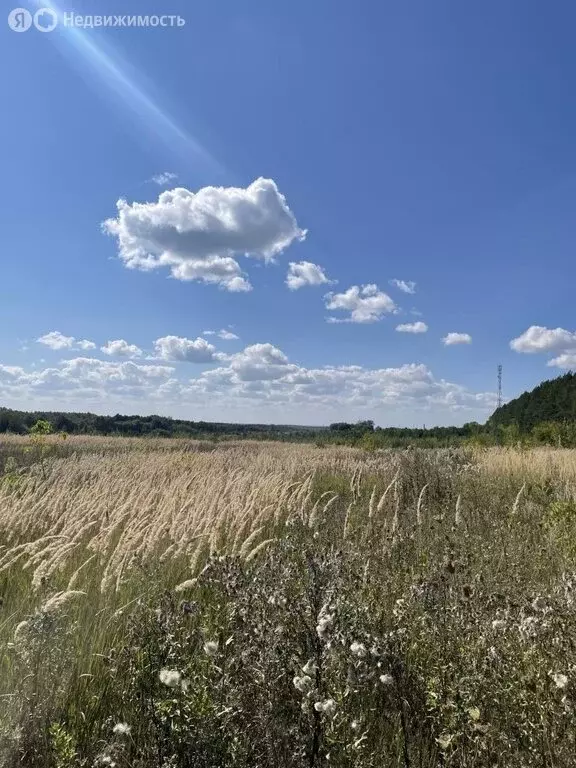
(19, 422)
(551, 401)
(544, 416)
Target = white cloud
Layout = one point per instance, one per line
(540, 339)
(567, 360)
(85, 378)
(457, 338)
(366, 304)
(303, 273)
(180, 348)
(164, 178)
(223, 333)
(260, 362)
(121, 348)
(418, 327)
(197, 234)
(262, 373)
(57, 341)
(256, 381)
(407, 286)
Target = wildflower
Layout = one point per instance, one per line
(474, 713)
(528, 626)
(325, 621)
(185, 685)
(121, 729)
(387, 679)
(303, 683)
(560, 680)
(358, 649)
(170, 677)
(309, 667)
(355, 724)
(211, 647)
(539, 603)
(498, 624)
(328, 707)
(445, 740)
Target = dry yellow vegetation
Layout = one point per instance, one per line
(431, 554)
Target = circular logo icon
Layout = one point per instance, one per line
(45, 20)
(19, 20)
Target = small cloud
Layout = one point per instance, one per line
(366, 304)
(303, 273)
(227, 335)
(223, 333)
(164, 178)
(567, 360)
(407, 286)
(179, 348)
(57, 341)
(456, 338)
(121, 348)
(540, 339)
(418, 327)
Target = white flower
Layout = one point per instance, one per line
(386, 679)
(211, 648)
(170, 677)
(560, 680)
(303, 683)
(355, 724)
(358, 649)
(121, 729)
(185, 686)
(444, 741)
(309, 667)
(328, 707)
(498, 624)
(325, 621)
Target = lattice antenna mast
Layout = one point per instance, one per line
(499, 386)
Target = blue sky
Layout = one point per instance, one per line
(429, 143)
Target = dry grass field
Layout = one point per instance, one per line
(259, 605)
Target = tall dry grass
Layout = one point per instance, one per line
(421, 553)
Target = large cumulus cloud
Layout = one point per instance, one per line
(199, 235)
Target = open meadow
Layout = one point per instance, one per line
(177, 604)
